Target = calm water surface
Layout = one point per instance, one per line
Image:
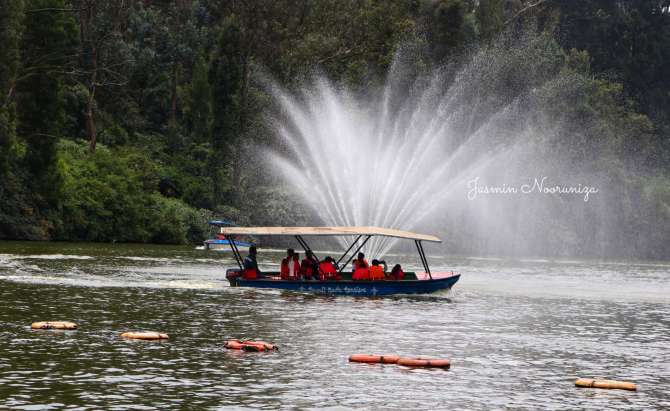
(518, 334)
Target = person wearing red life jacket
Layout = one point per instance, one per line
(361, 268)
(309, 267)
(376, 270)
(360, 262)
(251, 271)
(397, 273)
(327, 270)
(294, 267)
(284, 267)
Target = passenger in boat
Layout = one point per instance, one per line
(361, 269)
(327, 270)
(284, 268)
(309, 266)
(397, 273)
(376, 271)
(251, 271)
(294, 267)
(360, 262)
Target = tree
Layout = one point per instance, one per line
(627, 41)
(102, 54)
(450, 26)
(201, 100)
(11, 15)
(48, 37)
(229, 71)
(490, 16)
(177, 52)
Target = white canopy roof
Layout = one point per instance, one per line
(333, 231)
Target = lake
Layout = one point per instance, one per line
(518, 334)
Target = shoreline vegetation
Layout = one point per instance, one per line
(137, 122)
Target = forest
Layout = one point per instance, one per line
(139, 120)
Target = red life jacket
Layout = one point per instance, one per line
(376, 272)
(327, 271)
(249, 274)
(296, 270)
(283, 270)
(361, 274)
(397, 274)
(307, 268)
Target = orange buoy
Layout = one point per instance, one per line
(264, 344)
(389, 359)
(233, 345)
(424, 362)
(254, 347)
(250, 345)
(606, 384)
(54, 325)
(144, 335)
(374, 359)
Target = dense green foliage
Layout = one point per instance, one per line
(137, 121)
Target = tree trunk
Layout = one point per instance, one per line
(237, 159)
(90, 125)
(90, 101)
(85, 16)
(173, 91)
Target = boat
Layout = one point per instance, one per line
(412, 283)
(221, 242)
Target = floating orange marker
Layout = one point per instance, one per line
(606, 384)
(54, 325)
(145, 335)
(250, 345)
(424, 362)
(374, 359)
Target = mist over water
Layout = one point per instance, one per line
(415, 154)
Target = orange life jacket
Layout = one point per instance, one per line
(361, 274)
(361, 263)
(327, 271)
(376, 272)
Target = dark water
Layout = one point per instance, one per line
(518, 334)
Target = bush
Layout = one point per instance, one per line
(112, 195)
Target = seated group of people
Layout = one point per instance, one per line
(292, 268)
(308, 269)
(311, 269)
(365, 272)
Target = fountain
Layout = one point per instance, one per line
(403, 157)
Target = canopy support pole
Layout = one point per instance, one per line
(355, 252)
(422, 255)
(348, 249)
(306, 247)
(236, 253)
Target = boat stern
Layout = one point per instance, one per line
(232, 275)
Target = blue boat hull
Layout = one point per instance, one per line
(355, 288)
